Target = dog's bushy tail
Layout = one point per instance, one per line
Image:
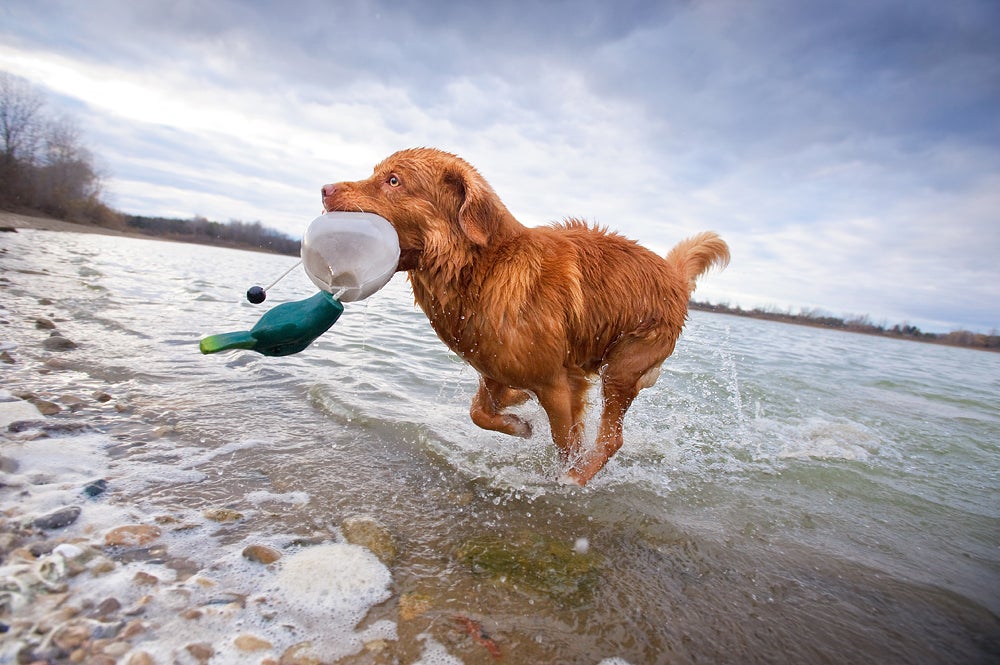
(694, 256)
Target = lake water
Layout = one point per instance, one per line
(784, 495)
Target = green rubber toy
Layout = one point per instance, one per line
(284, 330)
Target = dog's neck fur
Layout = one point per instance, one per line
(448, 288)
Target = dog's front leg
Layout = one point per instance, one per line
(491, 398)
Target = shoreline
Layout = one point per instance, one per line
(14, 222)
(18, 221)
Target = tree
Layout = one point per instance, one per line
(20, 118)
(43, 163)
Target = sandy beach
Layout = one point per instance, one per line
(13, 220)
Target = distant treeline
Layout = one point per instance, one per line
(247, 235)
(859, 324)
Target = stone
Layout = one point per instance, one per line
(72, 402)
(131, 535)
(261, 554)
(7, 358)
(530, 560)
(101, 396)
(58, 343)
(141, 658)
(372, 534)
(44, 324)
(95, 487)
(145, 579)
(58, 519)
(71, 636)
(412, 605)
(107, 607)
(45, 407)
(223, 515)
(201, 651)
(302, 653)
(248, 642)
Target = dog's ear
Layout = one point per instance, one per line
(480, 212)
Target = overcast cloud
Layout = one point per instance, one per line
(849, 151)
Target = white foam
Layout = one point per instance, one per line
(258, 497)
(339, 579)
(434, 653)
(12, 412)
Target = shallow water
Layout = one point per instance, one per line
(785, 494)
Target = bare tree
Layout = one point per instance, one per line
(20, 118)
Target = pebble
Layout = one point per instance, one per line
(58, 519)
(412, 605)
(251, 643)
(58, 343)
(7, 358)
(261, 554)
(372, 534)
(223, 515)
(141, 658)
(300, 654)
(201, 651)
(44, 324)
(131, 535)
(45, 407)
(95, 487)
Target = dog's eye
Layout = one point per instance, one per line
(393, 180)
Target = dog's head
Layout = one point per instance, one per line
(439, 205)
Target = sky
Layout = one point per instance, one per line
(848, 152)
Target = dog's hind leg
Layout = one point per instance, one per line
(491, 398)
(629, 368)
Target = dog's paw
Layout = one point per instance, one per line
(519, 427)
(571, 479)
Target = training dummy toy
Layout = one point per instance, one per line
(349, 255)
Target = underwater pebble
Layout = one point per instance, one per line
(372, 534)
(45, 407)
(107, 607)
(131, 535)
(72, 402)
(261, 554)
(7, 358)
(58, 343)
(58, 519)
(141, 658)
(201, 651)
(412, 605)
(251, 643)
(222, 515)
(95, 487)
(145, 579)
(300, 654)
(44, 324)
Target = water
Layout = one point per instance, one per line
(784, 495)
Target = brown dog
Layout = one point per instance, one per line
(539, 310)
